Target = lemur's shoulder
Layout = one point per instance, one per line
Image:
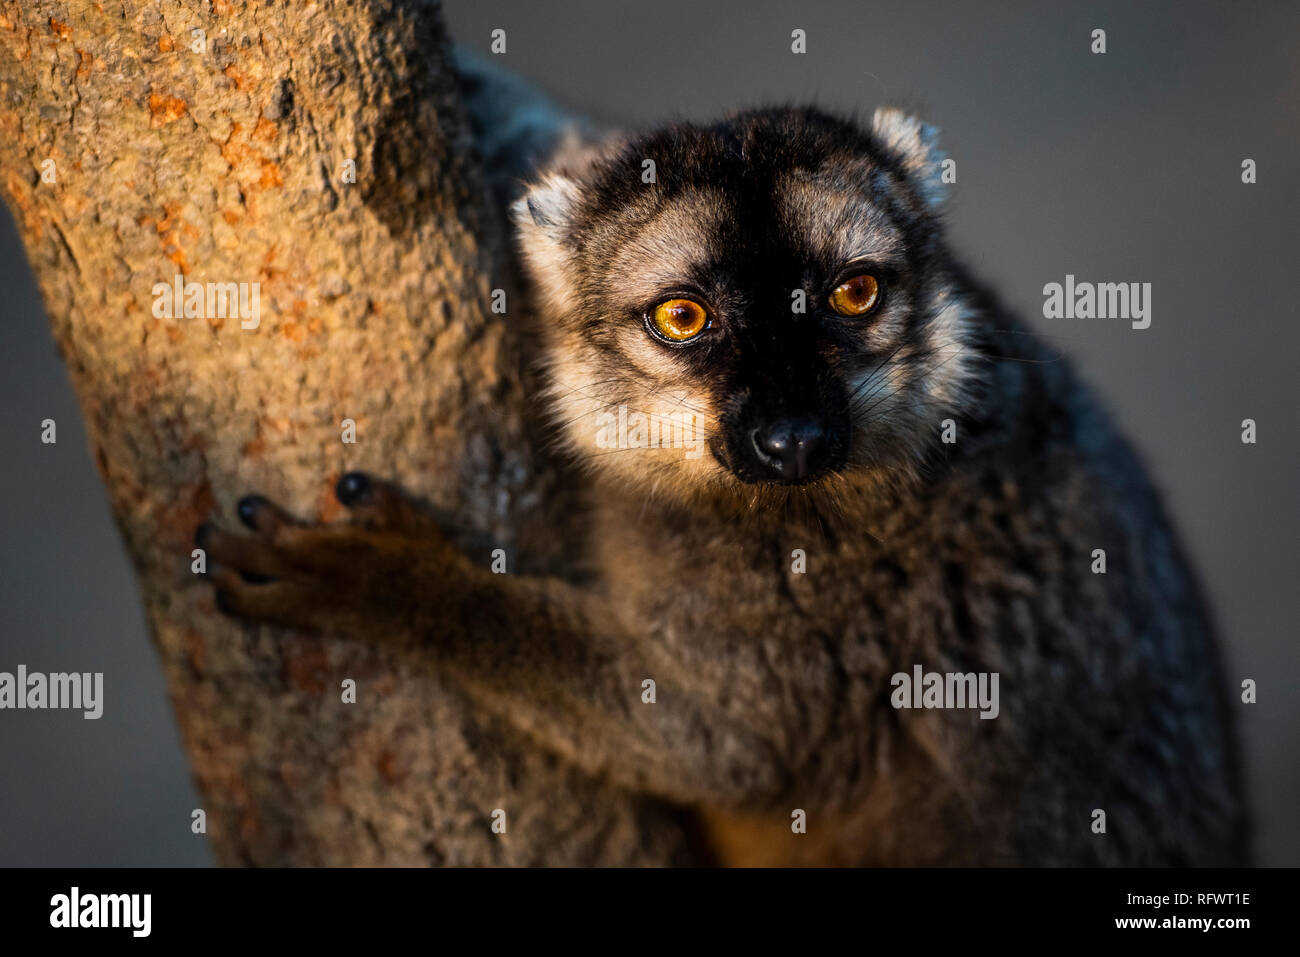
(516, 128)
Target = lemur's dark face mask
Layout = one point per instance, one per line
(775, 375)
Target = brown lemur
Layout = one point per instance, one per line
(814, 454)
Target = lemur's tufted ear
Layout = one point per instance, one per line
(546, 215)
(915, 144)
(549, 206)
(543, 219)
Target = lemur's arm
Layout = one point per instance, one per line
(548, 657)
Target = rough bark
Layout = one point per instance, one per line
(227, 165)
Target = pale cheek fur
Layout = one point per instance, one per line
(618, 423)
(951, 356)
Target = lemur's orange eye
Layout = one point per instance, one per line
(679, 319)
(856, 297)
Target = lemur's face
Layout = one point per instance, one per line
(766, 304)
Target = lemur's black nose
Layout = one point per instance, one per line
(793, 449)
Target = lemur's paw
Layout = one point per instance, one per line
(382, 506)
(324, 577)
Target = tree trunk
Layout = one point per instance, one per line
(136, 150)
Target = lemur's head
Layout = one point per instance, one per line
(763, 301)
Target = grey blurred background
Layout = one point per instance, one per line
(1116, 167)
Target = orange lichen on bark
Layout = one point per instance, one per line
(20, 196)
(265, 130)
(235, 77)
(170, 229)
(177, 256)
(60, 30)
(165, 109)
(237, 152)
(268, 272)
(270, 175)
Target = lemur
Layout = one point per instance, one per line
(886, 470)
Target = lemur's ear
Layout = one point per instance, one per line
(915, 144)
(548, 206)
(543, 219)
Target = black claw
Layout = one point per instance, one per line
(202, 534)
(354, 488)
(248, 508)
